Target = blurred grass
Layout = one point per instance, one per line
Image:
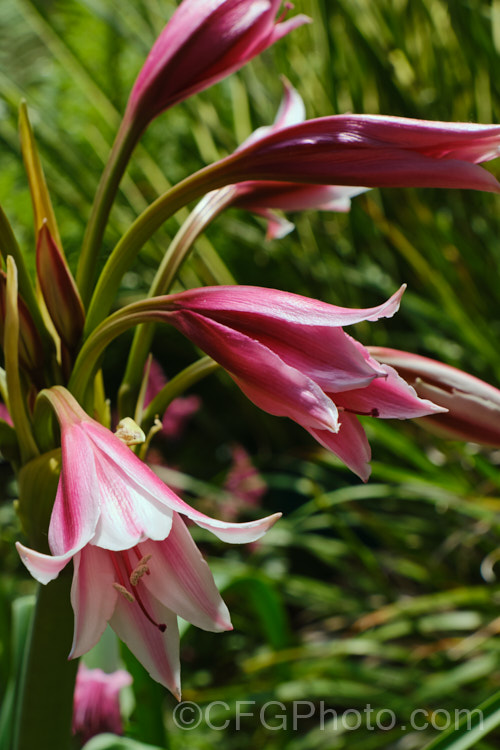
(385, 593)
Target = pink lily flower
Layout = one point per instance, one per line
(204, 41)
(370, 150)
(136, 565)
(261, 197)
(473, 405)
(290, 356)
(96, 701)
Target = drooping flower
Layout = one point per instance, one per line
(136, 565)
(370, 150)
(473, 405)
(262, 197)
(204, 41)
(96, 701)
(291, 357)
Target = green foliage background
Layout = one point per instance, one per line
(382, 594)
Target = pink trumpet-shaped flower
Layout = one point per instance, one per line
(290, 356)
(204, 41)
(96, 701)
(135, 563)
(473, 406)
(370, 150)
(261, 197)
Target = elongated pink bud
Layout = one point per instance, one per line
(59, 289)
(204, 41)
(473, 405)
(371, 150)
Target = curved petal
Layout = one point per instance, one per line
(290, 112)
(350, 445)
(469, 417)
(93, 597)
(331, 358)
(290, 196)
(139, 477)
(277, 226)
(235, 303)
(43, 567)
(233, 533)
(374, 151)
(389, 398)
(76, 507)
(128, 513)
(157, 651)
(266, 379)
(181, 579)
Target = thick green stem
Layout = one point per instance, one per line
(154, 310)
(214, 176)
(201, 216)
(43, 718)
(124, 144)
(176, 387)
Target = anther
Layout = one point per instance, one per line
(141, 569)
(125, 592)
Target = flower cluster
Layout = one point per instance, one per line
(135, 564)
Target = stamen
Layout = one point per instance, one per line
(125, 592)
(140, 570)
(129, 432)
(137, 598)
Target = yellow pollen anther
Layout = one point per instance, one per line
(125, 592)
(141, 569)
(129, 432)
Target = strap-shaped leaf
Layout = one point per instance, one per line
(42, 205)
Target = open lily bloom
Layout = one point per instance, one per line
(473, 405)
(290, 356)
(204, 41)
(135, 563)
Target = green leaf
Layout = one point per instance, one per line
(475, 725)
(112, 742)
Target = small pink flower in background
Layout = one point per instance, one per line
(96, 702)
(204, 41)
(243, 482)
(290, 356)
(4, 414)
(473, 405)
(136, 565)
(178, 412)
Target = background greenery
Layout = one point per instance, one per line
(382, 594)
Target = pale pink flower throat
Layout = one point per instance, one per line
(129, 578)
